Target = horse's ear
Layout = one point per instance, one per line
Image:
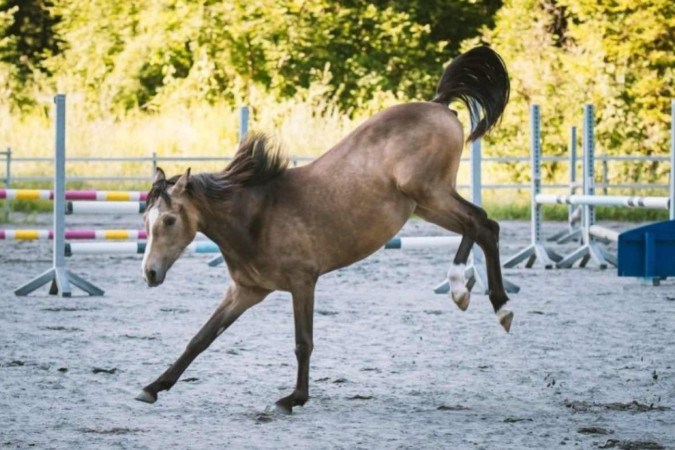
(159, 176)
(182, 183)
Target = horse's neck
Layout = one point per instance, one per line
(228, 224)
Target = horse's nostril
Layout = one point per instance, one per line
(152, 276)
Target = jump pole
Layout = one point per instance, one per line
(99, 235)
(101, 196)
(86, 207)
(573, 212)
(206, 246)
(536, 251)
(8, 178)
(59, 277)
(475, 272)
(243, 131)
(672, 159)
(90, 235)
(589, 250)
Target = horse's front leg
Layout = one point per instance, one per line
(303, 315)
(237, 300)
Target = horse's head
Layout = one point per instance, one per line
(171, 222)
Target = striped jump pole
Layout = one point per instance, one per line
(605, 200)
(399, 243)
(59, 276)
(536, 251)
(416, 243)
(92, 235)
(85, 207)
(126, 248)
(98, 235)
(101, 196)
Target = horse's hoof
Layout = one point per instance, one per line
(461, 299)
(146, 397)
(505, 318)
(282, 408)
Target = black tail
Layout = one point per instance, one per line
(479, 79)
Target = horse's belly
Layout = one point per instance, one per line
(348, 240)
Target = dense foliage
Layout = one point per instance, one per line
(616, 54)
(141, 54)
(144, 57)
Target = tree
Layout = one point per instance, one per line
(27, 40)
(136, 54)
(616, 54)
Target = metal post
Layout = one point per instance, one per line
(58, 275)
(475, 271)
(154, 164)
(589, 169)
(535, 161)
(536, 250)
(60, 188)
(573, 160)
(605, 175)
(243, 131)
(476, 166)
(8, 180)
(672, 159)
(589, 250)
(573, 211)
(243, 122)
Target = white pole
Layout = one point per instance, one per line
(535, 150)
(476, 182)
(672, 159)
(589, 170)
(243, 122)
(60, 183)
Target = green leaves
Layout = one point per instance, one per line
(145, 55)
(564, 53)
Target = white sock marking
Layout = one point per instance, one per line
(502, 312)
(457, 280)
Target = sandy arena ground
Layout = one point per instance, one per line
(589, 362)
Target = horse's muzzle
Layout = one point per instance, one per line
(154, 277)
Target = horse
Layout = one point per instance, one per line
(281, 228)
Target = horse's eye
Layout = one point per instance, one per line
(169, 220)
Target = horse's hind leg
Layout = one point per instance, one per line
(459, 292)
(454, 213)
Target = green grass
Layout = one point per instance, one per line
(521, 211)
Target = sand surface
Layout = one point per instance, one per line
(589, 362)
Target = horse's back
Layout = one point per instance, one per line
(410, 141)
(350, 202)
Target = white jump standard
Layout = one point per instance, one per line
(58, 275)
(536, 251)
(590, 232)
(590, 251)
